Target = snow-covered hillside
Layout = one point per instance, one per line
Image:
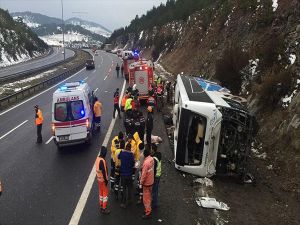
(28, 21)
(17, 42)
(56, 39)
(91, 26)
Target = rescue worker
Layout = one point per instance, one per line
(115, 144)
(149, 126)
(116, 92)
(135, 92)
(118, 69)
(128, 105)
(147, 180)
(160, 99)
(116, 105)
(123, 102)
(127, 164)
(39, 123)
(157, 173)
(102, 177)
(97, 113)
(128, 123)
(117, 161)
(136, 121)
(130, 141)
(141, 147)
(151, 101)
(142, 125)
(122, 70)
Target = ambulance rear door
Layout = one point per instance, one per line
(61, 121)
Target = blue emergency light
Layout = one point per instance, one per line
(82, 112)
(63, 88)
(82, 82)
(136, 53)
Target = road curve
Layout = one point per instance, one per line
(56, 56)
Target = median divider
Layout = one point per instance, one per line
(27, 92)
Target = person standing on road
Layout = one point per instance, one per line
(117, 162)
(122, 70)
(157, 173)
(149, 126)
(97, 113)
(147, 180)
(39, 124)
(118, 69)
(127, 164)
(116, 105)
(115, 144)
(102, 177)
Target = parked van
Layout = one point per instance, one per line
(72, 114)
(213, 129)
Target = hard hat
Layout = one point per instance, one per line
(149, 109)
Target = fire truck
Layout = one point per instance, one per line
(141, 74)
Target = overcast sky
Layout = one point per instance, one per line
(109, 13)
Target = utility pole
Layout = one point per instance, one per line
(63, 27)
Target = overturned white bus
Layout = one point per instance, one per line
(213, 130)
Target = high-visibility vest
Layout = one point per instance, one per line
(158, 167)
(114, 145)
(116, 159)
(39, 120)
(128, 104)
(100, 176)
(97, 109)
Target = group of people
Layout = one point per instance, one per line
(134, 160)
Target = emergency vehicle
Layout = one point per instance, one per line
(141, 74)
(213, 129)
(72, 114)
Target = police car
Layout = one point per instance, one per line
(72, 114)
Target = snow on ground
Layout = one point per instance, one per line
(23, 83)
(56, 39)
(8, 61)
(274, 5)
(28, 21)
(292, 58)
(97, 30)
(288, 98)
(141, 35)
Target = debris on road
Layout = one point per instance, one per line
(204, 181)
(159, 220)
(212, 203)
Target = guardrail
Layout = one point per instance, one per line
(30, 72)
(13, 98)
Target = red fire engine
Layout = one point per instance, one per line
(141, 74)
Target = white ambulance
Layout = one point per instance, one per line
(72, 114)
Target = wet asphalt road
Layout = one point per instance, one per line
(56, 56)
(43, 185)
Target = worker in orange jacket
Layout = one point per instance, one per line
(102, 177)
(39, 123)
(123, 102)
(97, 113)
(147, 180)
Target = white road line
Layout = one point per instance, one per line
(3, 136)
(96, 90)
(105, 77)
(85, 78)
(49, 140)
(94, 71)
(89, 184)
(40, 93)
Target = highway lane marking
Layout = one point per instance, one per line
(49, 140)
(105, 77)
(85, 78)
(3, 136)
(94, 71)
(96, 90)
(89, 184)
(6, 111)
